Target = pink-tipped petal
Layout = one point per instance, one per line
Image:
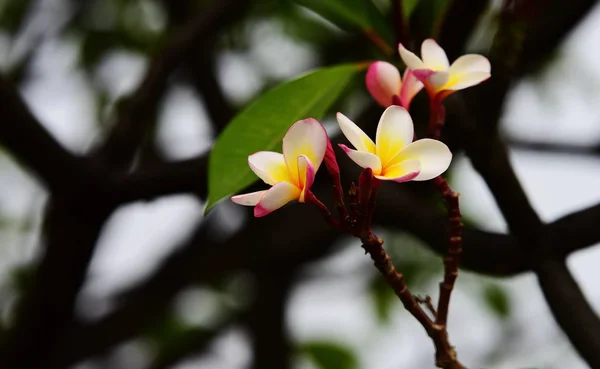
(401, 172)
(470, 63)
(363, 159)
(394, 131)
(248, 199)
(275, 198)
(467, 80)
(355, 135)
(433, 155)
(383, 82)
(305, 137)
(269, 166)
(434, 57)
(410, 88)
(410, 59)
(306, 173)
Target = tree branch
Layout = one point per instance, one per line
(130, 127)
(30, 142)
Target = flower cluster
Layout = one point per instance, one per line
(393, 156)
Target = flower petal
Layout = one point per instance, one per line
(306, 173)
(383, 82)
(401, 172)
(248, 199)
(269, 166)
(394, 132)
(434, 57)
(433, 156)
(462, 81)
(355, 135)
(438, 81)
(276, 197)
(363, 159)
(410, 87)
(470, 63)
(305, 137)
(410, 59)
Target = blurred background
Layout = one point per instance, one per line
(74, 61)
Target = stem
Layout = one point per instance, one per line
(311, 198)
(445, 354)
(437, 115)
(452, 260)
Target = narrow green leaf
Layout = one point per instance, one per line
(350, 14)
(262, 125)
(329, 355)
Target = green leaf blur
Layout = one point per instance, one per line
(328, 355)
(262, 125)
(350, 14)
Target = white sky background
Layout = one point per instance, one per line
(559, 106)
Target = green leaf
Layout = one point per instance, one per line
(262, 125)
(350, 14)
(497, 299)
(408, 6)
(329, 355)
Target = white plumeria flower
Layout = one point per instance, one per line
(438, 75)
(292, 173)
(387, 87)
(393, 156)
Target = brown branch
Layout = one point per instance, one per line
(199, 67)
(185, 176)
(460, 20)
(452, 259)
(570, 308)
(128, 132)
(271, 343)
(444, 352)
(26, 138)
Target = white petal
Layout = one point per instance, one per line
(470, 63)
(355, 135)
(363, 159)
(269, 166)
(401, 172)
(394, 132)
(467, 80)
(306, 137)
(248, 199)
(383, 82)
(276, 197)
(410, 59)
(434, 56)
(433, 155)
(410, 87)
(438, 80)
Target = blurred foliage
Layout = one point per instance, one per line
(348, 14)
(497, 299)
(329, 355)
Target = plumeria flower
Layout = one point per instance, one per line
(292, 173)
(393, 156)
(440, 78)
(387, 88)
